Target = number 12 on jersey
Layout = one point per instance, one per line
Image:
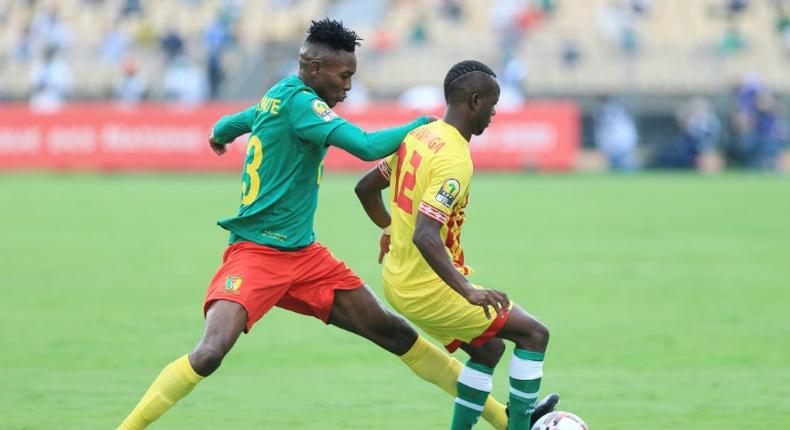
(407, 180)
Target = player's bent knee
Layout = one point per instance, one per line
(536, 337)
(545, 333)
(206, 358)
(497, 348)
(531, 335)
(494, 349)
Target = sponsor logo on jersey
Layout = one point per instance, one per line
(323, 111)
(274, 235)
(449, 192)
(233, 284)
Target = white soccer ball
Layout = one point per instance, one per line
(560, 420)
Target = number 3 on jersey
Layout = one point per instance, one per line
(249, 191)
(408, 180)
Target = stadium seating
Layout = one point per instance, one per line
(676, 46)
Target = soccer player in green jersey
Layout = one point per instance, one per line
(273, 258)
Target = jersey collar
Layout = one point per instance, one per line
(452, 130)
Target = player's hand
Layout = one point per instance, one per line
(485, 298)
(428, 118)
(217, 147)
(384, 246)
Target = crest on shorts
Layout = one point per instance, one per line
(323, 111)
(233, 284)
(448, 192)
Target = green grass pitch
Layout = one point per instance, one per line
(668, 298)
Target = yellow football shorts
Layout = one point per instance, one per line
(444, 314)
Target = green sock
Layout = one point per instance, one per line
(526, 370)
(474, 385)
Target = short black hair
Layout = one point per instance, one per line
(332, 34)
(461, 73)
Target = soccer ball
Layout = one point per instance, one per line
(559, 420)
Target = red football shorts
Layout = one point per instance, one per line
(259, 277)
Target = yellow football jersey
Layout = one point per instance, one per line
(429, 174)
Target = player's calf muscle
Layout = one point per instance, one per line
(398, 335)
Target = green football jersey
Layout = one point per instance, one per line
(283, 167)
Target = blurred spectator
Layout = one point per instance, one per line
(131, 8)
(172, 44)
(452, 9)
(382, 42)
(23, 48)
(51, 78)
(617, 25)
(504, 12)
(216, 37)
(422, 98)
(759, 125)
(735, 7)
(548, 6)
(504, 20)
(283, 4)
(695, 146)
(49, 31)
(115, 43)
(641, 7)
(514, 73)
(185, 82)
(570, 53)
(732, 41)
(529, 18)
(419, 31)
(359, 96)
(783, 24)
(231, 9)
(615, 133)
(131, 87)
(513, 83)
(45, 99)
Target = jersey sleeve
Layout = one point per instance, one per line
(311, 118)
(385, 166)
(229, 127)
(449, 180)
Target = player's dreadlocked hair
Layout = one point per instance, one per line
(460, 73)
(332, 33)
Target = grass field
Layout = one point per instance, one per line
(668, 298)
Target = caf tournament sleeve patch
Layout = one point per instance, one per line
(323, 111)
(448, 192)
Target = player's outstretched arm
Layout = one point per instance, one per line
(372, 146)
(368, 191)
(229, 127)
(313, 121)
(429, 242)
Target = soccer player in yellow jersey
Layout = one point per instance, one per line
(425, 271)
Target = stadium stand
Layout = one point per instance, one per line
(564, 47)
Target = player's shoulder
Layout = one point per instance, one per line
(298, 96)
(292, 90)
(454, 147)
(435, 138)
(454, 160)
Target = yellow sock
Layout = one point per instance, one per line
(437, 367)
(175, 381)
